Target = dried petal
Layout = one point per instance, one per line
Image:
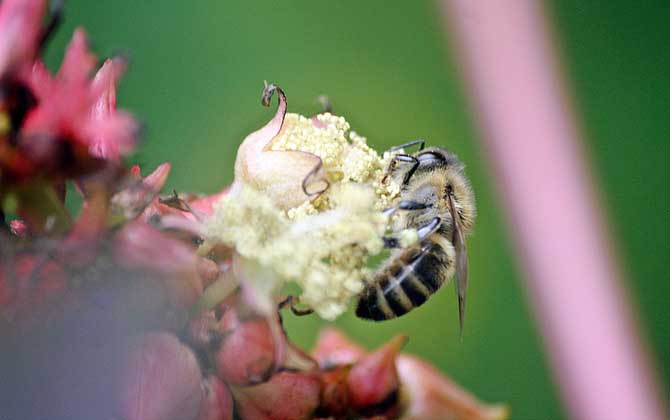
(286, 177)
(160, 380)
(217, 402)
(287, 396)
(433, 396)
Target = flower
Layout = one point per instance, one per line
(304, 207)
(75, 109)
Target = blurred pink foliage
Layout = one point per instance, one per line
(531, 137)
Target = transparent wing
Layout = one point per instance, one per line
(458, 241)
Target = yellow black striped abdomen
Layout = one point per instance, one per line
(406, 281)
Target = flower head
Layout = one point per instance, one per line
(305, 206)
(73, 107)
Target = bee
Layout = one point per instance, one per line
(437, 200)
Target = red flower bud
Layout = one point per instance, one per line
(373, 380)
(217, 402)
(287, 396)
(160, 380)
(247, 353)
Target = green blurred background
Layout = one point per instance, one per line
(195, 79)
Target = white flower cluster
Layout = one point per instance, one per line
(323, 245)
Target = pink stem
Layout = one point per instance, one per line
(533, 145)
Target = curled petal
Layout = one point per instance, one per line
(334, 348)
(373, 380)
(289, 178)
(433, 396)
(20, 31)
(160, 380)
(287, 396)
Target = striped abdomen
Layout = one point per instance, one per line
(407, 280)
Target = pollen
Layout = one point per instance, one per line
(325, 253)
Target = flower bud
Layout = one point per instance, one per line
(141, 246)
(247, 352)
(433, 396)
(160, 380)
(287, 396)
(217, 402)
(334, 348)
(373, 381)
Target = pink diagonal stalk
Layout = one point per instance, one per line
(533, 144)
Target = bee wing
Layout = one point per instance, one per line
(458, 241)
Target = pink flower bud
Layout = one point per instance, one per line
(217, 402)
(160, 380)
(287, 396)
(433, 396)
(247, 353)
(141, 246)
(373, 380)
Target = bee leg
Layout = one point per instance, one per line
(420, 142)
(423, 232)
(408, 158)
(291, 302)
(430, 228)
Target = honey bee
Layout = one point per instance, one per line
(437, 200)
